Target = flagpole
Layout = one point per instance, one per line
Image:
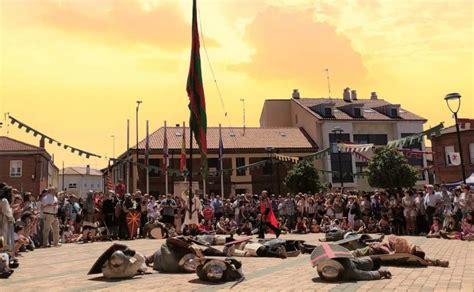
(147, 158)
(221, 156)
(190, 195)
(166, 162)
(128, 156)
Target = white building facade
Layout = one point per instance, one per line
(362, 121)
(80, 180)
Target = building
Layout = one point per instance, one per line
(26, 167)
(80, 180)
(371, 120)
(241, 147)
(447, 143)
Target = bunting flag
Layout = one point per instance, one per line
(360, 156)
(286, 158)
(319, 154)
(166, 161)
(346, 147)
(110, 184)
(182, 158)
(414, 153)
(417, 138)
(195, 90)
(50, 140)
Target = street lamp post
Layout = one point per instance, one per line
(113, 145)
(453, 97)
(136, 150)
(338, 132)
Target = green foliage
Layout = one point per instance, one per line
(303, 177)
(389, 169)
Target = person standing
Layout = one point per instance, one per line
(168, 206)
(431, 202)
(50, 204)
(267, 218)
(218, 207)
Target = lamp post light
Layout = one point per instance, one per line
(451, 100)
(338, 132)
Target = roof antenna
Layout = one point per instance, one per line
(329, 84)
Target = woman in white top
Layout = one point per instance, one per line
(409, 211)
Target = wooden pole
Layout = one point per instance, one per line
(221, 162)
(166, 161)
(147, 159)
(128, 156)
(190, 195)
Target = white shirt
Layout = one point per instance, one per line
(49, 199)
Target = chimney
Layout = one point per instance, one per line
(295, 94)
(353, 94)
(373, 96)
(41, 145)
(347, 94)
(88, 169)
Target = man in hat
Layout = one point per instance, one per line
(124, 264)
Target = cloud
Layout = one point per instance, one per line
(289, 44)
(119, 23)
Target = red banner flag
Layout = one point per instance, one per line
(195, 90)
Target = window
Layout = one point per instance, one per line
(16, 168)
(267, 167)
(328, 112)
(213, 163)
(240, 161)
(376, 139)
(346, 159)
(394, 112)
(447, 151)
(361, 166)
(155, 166)
(346, 164)
(72, 186)
(471, 152)
(357, 112)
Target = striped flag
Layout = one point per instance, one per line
(195, 90)
(110, 184)
(221, 150)
(166, 161)
(182, 159)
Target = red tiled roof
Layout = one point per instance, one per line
(8, 144)
(369, 109)
(233, 138)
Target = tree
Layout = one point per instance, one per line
(303, 177)
(389, 169)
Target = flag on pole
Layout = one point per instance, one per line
(195, 90)
(182, 159)
(221, 150)
(147, 147)
(166, 161)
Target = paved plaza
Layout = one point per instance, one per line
(66, 268)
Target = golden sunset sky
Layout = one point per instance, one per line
(73, 69)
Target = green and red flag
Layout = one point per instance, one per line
(195, 90)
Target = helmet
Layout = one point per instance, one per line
(189, 263)
(118, 258)
(214, 270)
(330, 270)
(334, 234)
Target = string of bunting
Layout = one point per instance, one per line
(319, 154)
(354, 148)
(417, 138)
(360, 156)
(287, 158)
(36, 133)
(414, 152)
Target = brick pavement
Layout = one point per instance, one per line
(65, 268)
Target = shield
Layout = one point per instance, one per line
(133, 221)
(156, 233)
(239, 240)
(353, 241)
(328, 251)
(97, 266)
(334, 234)
(400, 259)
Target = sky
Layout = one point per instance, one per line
(74, 69)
